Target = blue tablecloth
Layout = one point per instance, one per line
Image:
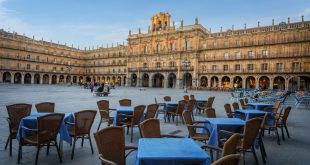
(170, 151)
(260, 106)
(217, 124)
(123, 110)
(170, 105)
(251, 113)
(31, 122)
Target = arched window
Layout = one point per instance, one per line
(157, 64)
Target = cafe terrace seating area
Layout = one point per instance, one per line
(175, 128)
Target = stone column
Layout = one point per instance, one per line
(298, 83)
(23, 78)
(1, 78)
(128, 82)
(150, 82)
(166, 82)
(271, 83)
(179, 83)
(50, 79)
(32, 79)
(209, 81)
(286, 83)
(41, 79)
(243, 82)
(231, 82)
(256, 82)
(12, 78)
(139, 82)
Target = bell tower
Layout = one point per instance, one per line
(160, 21)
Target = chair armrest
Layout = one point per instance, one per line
(197, 122)
(105, 161)
(29, 129)
(125, 115)
(112, 109)
(171, 136)
(131, 148)
(211, 147)
(66, 122)
(9, 120)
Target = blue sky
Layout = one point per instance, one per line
(102, 22)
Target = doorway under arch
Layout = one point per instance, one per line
(158, 80)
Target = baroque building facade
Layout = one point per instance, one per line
(274, 57)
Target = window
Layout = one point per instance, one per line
(113, 70)
(279, 66)
(46, 59)
(18, 65)
(226, 44)
(157, 64)
(145, 65)
(173, 47)
(172, 64)
(237, 67)
(251, 54)
(28, 66)
(54, 69)
(205, 46)
(238, 55)
(119, 70)
(264, 66)
(28, 57)
(214, 45)
(225, 67)
(54, 60)
(226, 56)
(187, 44)
(213, 67)
(145, 49)
(204, 68)
(38, 58)
(296, 66)
(61, 69)
(250, 67)
(265, 53)
(125, 70)
(37, 67)
(238, 43)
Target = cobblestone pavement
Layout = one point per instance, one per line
(73, 98)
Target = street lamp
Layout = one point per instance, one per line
(69, 69)
(186, 64)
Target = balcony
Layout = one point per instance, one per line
(256, 71)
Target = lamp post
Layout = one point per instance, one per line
(186, 64)
(69, 69)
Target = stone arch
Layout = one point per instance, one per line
(6, 77)
(113, 80)
(103, 80)
(187, 79)
(27, 78)
(133, 79)
(226, 82)
(299, 83)
(158, 80)
(80, 79)
(264, 82)
(88, 79)
(45, 79)
(214, 81)
(74, 79)
(204, 81)
(68, 79)
(36, 79)
(279, 83)
(17, 78)
(237, 82)
(61, 79)
(250, 82)
(172, 80)
(108, 79)
(145, 80)
(54, 79)
(119, 81)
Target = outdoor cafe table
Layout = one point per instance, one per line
(251, 113)
(123, 110)
(31, 122)
(170, 151)
(260, 106)
(216, 124)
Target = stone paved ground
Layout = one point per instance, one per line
(72, 98)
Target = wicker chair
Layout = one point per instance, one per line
(178, 112)
(125, 102)
(260, 137)
(229, 112)
(274, 108)
(151, 111)
(208, 105)
(111, 146)
(133, 120)
(104, 111)
(15, 113)
(243, 104)
(161, 109)
(282, 121)
(167, 98)
(191, 127)
(186, 97)
(45, 135)
(210, 113)
(232, 159)
(81, 127)
(191, 107)
(45, 107)
(150, 128)
(235, 106)
(246, 100)
(192, 97)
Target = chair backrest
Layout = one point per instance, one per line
(167, 98)
(228, 160)
(210, 102)
(125, 102)
(151, 111)
(187, 117)
(242, 103)
(83, 121)
(181, 105)
(48, 126)
(250, 132)
(191, 105)
(286, 112)
(246, 100)
(235, 105)
(45, 107)
(210, 112)
(103, 106)
(16, 112)
(186, 97)
(230, 146)
(150, 128)
(137, 114)
(191, 97)
(228, 110)
(277, 104)
(111, 144)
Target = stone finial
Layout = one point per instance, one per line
(78, 46)
(71, 45)
(258, 23)
(129, 32)
(112, 45)
(32, 37)
(245, 26)
(123, 43)
(139, 30)
(232, 27)
(107, 45)
(196, 21)
(221, 29)
(302, 18)
(272, 22)
(149, 29)
(181, 24)
(210, 30)
(288, 20)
